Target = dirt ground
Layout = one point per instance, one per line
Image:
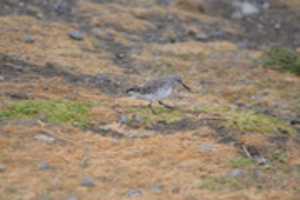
(69, 131)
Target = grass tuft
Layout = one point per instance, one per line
(250, 121)
(58, 112)
(283, 59)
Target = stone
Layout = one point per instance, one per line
(72, 197)
(165, 2)
(266, 5)
(2, 78)
(76, 35)
(236, 173)
(201, 36)
(44, 166)
(29, 39)
(134, 193)
(2, 168)
(206, 148)
(88, 182)
(157, 189)
(124, 119)
(277, 26)
(246, 8)
(45, 138)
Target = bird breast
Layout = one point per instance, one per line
(163, 93)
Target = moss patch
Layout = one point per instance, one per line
(161, 114)
(250, 121)
(60, 112)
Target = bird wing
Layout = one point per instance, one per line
(151, 86)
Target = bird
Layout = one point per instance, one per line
(157, 90)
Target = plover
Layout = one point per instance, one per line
(157, 90)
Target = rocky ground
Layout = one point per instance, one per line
(69, 131)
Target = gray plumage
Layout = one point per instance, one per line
(158, 89)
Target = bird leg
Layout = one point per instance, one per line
(151, 108)
(165, 105)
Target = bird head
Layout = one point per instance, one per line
(178, 80)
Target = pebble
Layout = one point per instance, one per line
(2, 168)
(45, 138)
(72, 197)
(165, 2)
(76, 35)
(206, 148)
(277, 26)
(157, 189)
(124, 119)
(236, 173)
(2, 78)
(201, 36)
(29, 39)
(134, 193)
(87, 182)
(44, 166)
(266, 6)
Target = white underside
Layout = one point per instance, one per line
(157, 96)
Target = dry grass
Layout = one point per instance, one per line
(220, 74)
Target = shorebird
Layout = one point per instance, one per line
(157, 90)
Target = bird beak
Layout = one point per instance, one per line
(186, 87)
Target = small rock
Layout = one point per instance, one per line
(44, 166)
(206, 148)
(45, 138)
(134, 193)
(157, 189)
(236, 173)
(72, 197)
(87, 182)
(266, 5)
(165, 2)
(2, 168)
(176, 190)
(76, 35)
(246, 8)
(201, 36)
(2, 78)
(124, 119)
(237, 15)
(277, 26)
(120, 55)
(29, 39)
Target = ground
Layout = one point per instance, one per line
(69, 131)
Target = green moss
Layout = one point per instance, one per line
(241, 162)
(250, 121)
(60, 112)
(283, 59)
(161, 115)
